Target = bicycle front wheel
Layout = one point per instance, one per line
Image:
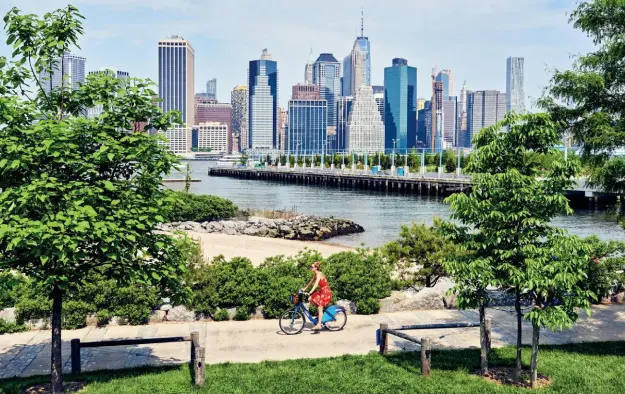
(292, 322)
(339, 321)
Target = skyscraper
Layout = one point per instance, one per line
(69, 70)
(326, 75)
(307, 131)
(424, 122)
(379, 100)
(305, 91)
(365, 130)
(447, 79)
(176, 77)
(240, 100)
(357, 65)
(435, 136)
(211, 89)
(308, 72)
(346, 80)
(365, 48)
(421, 104)
(96, 111)
(462, 116)
(283, 122)
(400, 105)
(450, 122)
(263, 102)
(343, 111)
(515, 80)
(484, 108)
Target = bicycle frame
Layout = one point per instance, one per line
(327, 315)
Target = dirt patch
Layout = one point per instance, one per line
(505, 376)
(70, 387)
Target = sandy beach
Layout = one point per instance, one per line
(257, 249)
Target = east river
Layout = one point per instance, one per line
(380, 213)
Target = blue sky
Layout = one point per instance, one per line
(470, 37)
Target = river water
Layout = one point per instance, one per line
(380, 213)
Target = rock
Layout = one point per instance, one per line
(450, 301)
(180, 314)
(350, 306)
(158, 316)
(429, 298)
(619, 298)
(391, 304)
(232, 312)
(251, 231)
(258, 313)
(8, 315)
(92, 321)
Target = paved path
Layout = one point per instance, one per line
(26, 354)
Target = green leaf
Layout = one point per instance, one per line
(108, 185)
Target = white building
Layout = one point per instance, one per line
(515, 93)
(178, 139)
(213, 136)
(68, 70)
(365, 129)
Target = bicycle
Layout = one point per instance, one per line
(293, 321)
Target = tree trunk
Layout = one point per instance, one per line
(56, 366)
(484, 341)
(519, 334)
(534, 364)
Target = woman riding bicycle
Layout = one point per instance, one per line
(323, 295)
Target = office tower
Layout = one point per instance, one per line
(343, 110)
(462, 116)
(307, 131)
(308, 72)
(96, 111)
(361, 58)
(379, 100)
(423, 115)
(215, 113)
(365, 130)
(326, 75)
(178, 138)
(212, 137)
(515, 82)
(176, 77)
(400, 106)
(69, 70)
(421, 104)
(346, 79)
(377, 89)
(211, 89)
(239, 99)
(305, 91)
(484, 108)
(436, 130)
(447, 79)
(283, 122)
(450, 121)
(263, 102)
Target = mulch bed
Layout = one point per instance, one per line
(505, 376)
(71, 387)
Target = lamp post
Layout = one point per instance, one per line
(440, 163)
(393, 157)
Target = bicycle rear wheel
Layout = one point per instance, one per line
(292, 322)
(340, 320)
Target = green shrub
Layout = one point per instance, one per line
(33, 304)
(282, 277)
(368, 306)
(221, 315)
(242, 313)
(604, 262)
(359, 277)
(10, 288)
(11, 328)
(200, 208)
(134, 304)
(75, 314)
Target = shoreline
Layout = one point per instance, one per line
(257, 249)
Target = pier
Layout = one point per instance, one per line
(429, 184)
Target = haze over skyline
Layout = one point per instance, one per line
(473, 38)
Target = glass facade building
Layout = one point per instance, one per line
(307, 131)
(68, 70)
(484, 108)
(211, 89)
(343, 111)
(447, 79)
(240, 100)
(263, 103)
(327, 76)
(400, 105)
(515, 76)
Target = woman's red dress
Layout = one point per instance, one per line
(323, 296)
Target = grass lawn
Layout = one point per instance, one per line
(591, 368)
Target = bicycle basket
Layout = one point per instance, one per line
(294, 299)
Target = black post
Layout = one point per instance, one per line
(75, 346)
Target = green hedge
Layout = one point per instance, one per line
(10, 328)
(9, 288)
(200, 208)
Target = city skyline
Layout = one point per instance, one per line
(543, 38)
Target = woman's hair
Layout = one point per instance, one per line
(317, 265)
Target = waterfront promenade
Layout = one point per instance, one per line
(28, 353)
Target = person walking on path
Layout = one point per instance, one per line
(321, 297)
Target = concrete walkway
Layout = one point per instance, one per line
(28, 353)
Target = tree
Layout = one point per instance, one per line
(510, 207)
(418, 255)
(589, 99)
(80, 197)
